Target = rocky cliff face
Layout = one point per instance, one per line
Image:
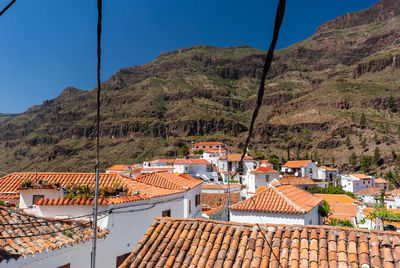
(315, 95)
(383, 10)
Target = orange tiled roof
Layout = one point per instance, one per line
(12, 182)
(280, 199)
(214, 150)
(294, 180)
(264, 170)
(361, 176)
(343, 211)
(337, 198)
(193, 161)
(296, 164)
(22, 247)
(220, 186)
(208, 143)
(235, 157)
(120, 167)
(265, 162)
(169, 181)
(214, 203)
(173, 242)
(395, 191)
(328, 168)
(370, 191)
(379, 180)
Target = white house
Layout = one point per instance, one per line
(212, 155)
(232, 163)
(208, 145)
(47, 242)
(261, 176)
(134, 206)
(198, 168)
(357, 182)
(392, 202)
(369, 195)
(327, 174)
(302, 168)
(283, 204)
(381, 184)
(158, 165)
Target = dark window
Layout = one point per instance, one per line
(198, 201)
(190, 206)
(65, 266)
(121, 259)
(36, 198)
(166, 213)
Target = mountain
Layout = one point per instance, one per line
(317, 93)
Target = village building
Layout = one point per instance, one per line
(283, 204)
(172, 242)
(302, 168)
(126, 170)
(392, 202)
(394, 193)
(215, 204)
(125, 203)
(198, 168)
(261, 176)
(369, 196)
(231, 163)
(212, 188)
(212, 155)
(300, 182)
(357, 182)
(37, 242)
(343, 207)
(207, 145)
(327, 174)
(381, 184)
(158, 165)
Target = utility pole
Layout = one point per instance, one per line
(229, 188)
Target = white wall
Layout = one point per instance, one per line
(26, 196)
(276, 218)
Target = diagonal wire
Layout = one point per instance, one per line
(7, 7)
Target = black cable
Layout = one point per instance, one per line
(7, 7)
(280, 12)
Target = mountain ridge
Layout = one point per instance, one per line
(315, 95)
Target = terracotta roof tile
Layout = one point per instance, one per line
(245, 245)
(370, 191)
(294, 180)
(361, 176)
(379, 180)
(121, 167)
(169, 181)
(214, 203)
(236, 157)
(296, 164)
(191, 162)
(280, 199)
(328, 168)
(264, 170)
(20, 247)
(338, 198)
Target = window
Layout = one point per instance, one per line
(65, 266)
(310, 170)
(310, 222)
(121, 259)
(198, 201)
(190, 207)
(36, 198)
(166, 213)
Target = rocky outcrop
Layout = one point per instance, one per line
(372, 66)
(382, 10)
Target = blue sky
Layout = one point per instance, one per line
(47, 45)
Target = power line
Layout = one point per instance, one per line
(96, 194)
(7, 7)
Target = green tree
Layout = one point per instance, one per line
(392, 104)
(363, 120)
(364, 144)
(377, 156)
(184, 150)
(394, 156)
(324, 210)
(353, 160)
(365, 163)
(348, 142)
(274, 160)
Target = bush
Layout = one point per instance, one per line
(329, 190)
(337, 222)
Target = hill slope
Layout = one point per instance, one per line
(316, 93)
